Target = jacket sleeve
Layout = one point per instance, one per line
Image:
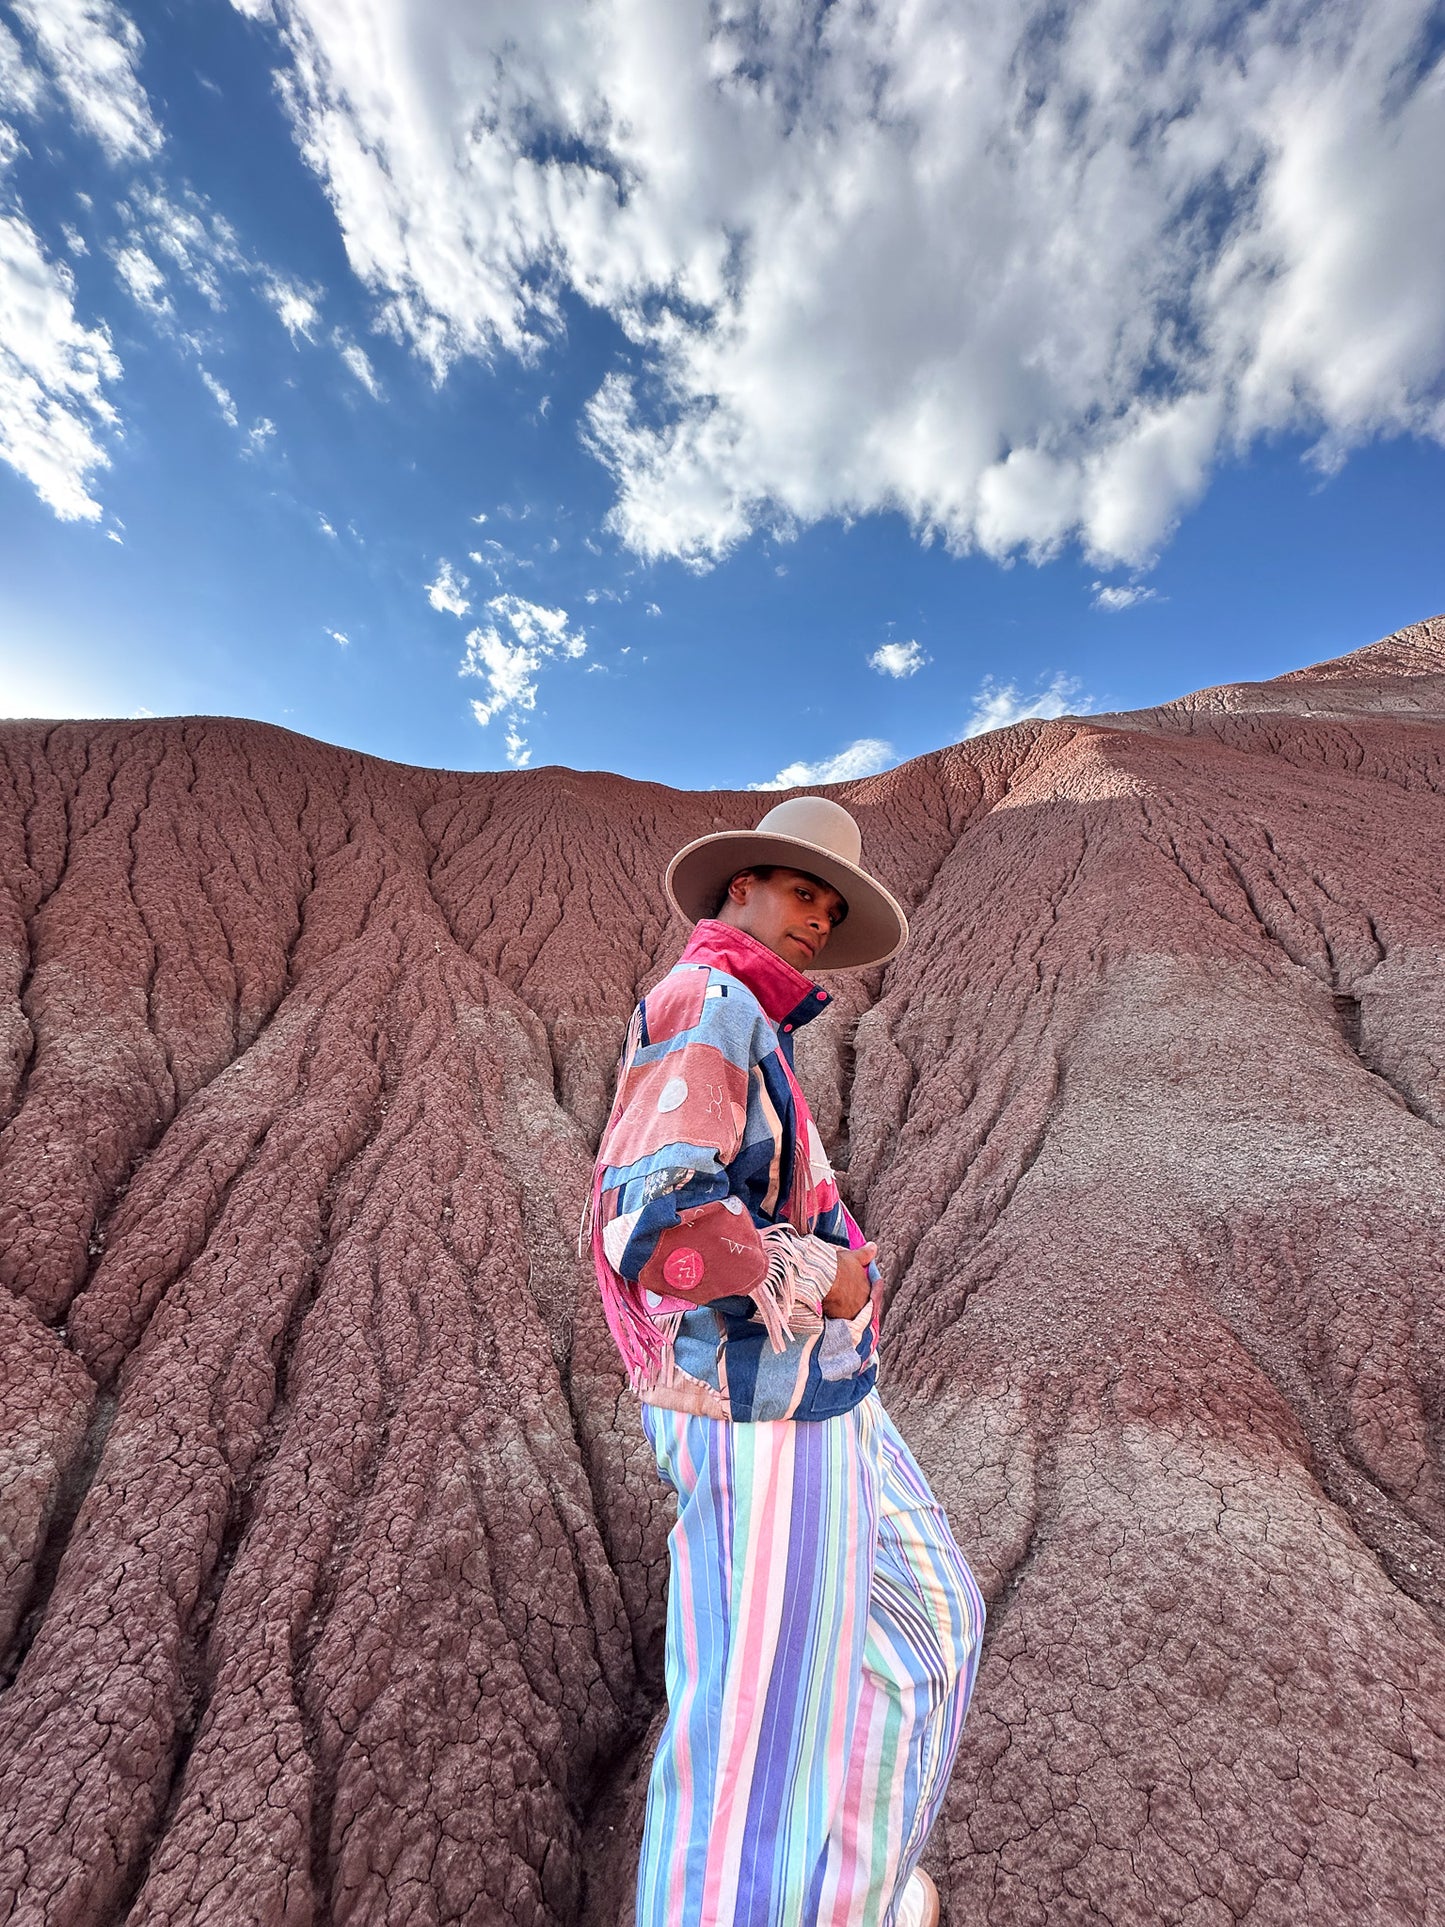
(671, 1226)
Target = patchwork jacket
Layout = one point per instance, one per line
(712, 1180)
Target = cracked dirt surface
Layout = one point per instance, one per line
(331, 1565)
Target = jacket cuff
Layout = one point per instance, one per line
(713, 1251)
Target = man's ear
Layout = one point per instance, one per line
(740, 885)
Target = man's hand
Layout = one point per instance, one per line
(850, 1290)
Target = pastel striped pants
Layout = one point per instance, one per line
(823, 1634)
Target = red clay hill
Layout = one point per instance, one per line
(331, 1566)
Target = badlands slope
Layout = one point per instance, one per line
(331, 1563)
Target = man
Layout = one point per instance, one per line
(823, 1628)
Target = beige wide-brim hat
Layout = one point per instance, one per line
(807, 833)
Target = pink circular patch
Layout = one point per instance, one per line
(684, 1267)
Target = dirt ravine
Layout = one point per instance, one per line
(331, 1560)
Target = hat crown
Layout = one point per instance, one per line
(816, 820)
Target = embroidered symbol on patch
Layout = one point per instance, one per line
(715, 1099)
(674, 1091)
(733, 1245)
(684, 1267)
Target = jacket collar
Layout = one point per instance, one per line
(786, 995)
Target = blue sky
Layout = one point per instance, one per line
(709, 395)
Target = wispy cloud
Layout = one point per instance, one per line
(222, 397)
(359, 364)
(897, 659)
(339, 637)
(509, 654)
(91, 51)
(142, 279)
(865, 757)
(259, 435)
(184, 230)
(295, 304)
(1112, 597)
(22, 89)
(54, 372)
(447, 593)
(999, 704)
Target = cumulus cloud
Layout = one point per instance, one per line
(446, 594)
(1111, 598)
(509, 654)
(1022, 274)
(998, 704)
(897, 659)
(91, 50)
(53, 376)
(865, 757)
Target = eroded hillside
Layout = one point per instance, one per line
(331, 1565)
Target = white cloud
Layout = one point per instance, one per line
(200, 244)
(652, 610)
(863, 758)
(509, 654)
(142, 279)
(53, 372)
(21, 87)
(359, 363)
(998, 704)
(1019, 273)
(295, 305)
(74, 239)
(1112, 597)
(445, 594)
(339, 637)
(897, 659)
(324, 526)
(222, 397)
(259, 435)
(92, 51)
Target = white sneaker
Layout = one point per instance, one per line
(919, 1905)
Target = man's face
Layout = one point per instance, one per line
(789, 911)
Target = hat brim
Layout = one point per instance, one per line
(874, 929)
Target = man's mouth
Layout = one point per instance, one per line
(806, 943)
